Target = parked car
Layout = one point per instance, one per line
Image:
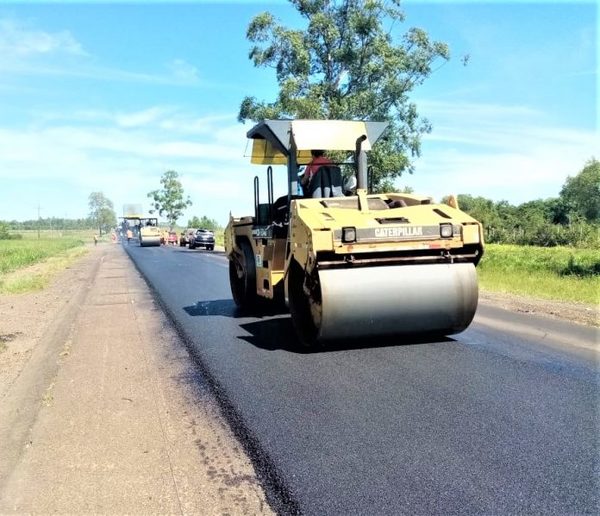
(203, 238)
(186, 236)
(172, 238)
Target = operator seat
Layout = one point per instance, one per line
(326, 182)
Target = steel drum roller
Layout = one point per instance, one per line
(391, 300)
(150, 241)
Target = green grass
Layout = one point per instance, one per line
(219, 237)
(16, 254)
(87, 235)
(37, 276)
(30, 264)
(560, 273)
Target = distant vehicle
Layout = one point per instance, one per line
(203, 238)
(172, 238)
(186, 236)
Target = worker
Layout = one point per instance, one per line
(318, 159)
(129, 235)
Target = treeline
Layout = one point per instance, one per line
(204, 222)
(572, 219)
(56, 223)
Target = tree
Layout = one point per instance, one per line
(169, 199)
(346, 65)
(102, 212)
(203, 222)
(582, 192)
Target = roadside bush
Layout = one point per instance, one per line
(5, 235)
(582, 268)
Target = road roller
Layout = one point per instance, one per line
(149, 232)
(346, 262)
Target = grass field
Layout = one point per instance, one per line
(49, 255)
(560, 273)
(87, 235)
(15, 254)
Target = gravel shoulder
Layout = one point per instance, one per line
(580, 313)
(101, 408)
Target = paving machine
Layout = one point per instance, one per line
(350, 266)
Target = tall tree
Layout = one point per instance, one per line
(204, 222)
(582, 192)
(169, 200)
(346, 65)
(102, 212)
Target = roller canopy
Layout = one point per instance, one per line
(274, 139)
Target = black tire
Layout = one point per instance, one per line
(211, 248)
(192, 245)
(299, 305)
(242, 276)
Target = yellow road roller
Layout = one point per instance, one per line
(150, 233)
(349, 263)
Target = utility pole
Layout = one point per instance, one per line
(39, 221)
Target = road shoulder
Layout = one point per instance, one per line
(124, 424)
(580, 313)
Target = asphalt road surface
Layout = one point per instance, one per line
(501, 419)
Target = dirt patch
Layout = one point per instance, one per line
(25, 317)
(575, 312)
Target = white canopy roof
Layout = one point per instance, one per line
(273, 139)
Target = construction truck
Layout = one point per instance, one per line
(350, 266)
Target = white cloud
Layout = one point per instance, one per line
(19, 41)
(141, 118)
(25, 50)
(125, 161)
(183, 71)
(500, 152)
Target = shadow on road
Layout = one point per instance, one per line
(197, 251)
(228, 308)
(274, 330)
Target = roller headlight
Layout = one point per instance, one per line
(348, 235)
(446, 230)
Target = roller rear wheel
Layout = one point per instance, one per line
(242, 276)
(304, 306)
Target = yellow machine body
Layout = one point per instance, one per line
(150, 236)
(145, 229)
(364, 265)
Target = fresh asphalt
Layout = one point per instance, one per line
(501, 419)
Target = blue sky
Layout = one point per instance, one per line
(106, 97)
